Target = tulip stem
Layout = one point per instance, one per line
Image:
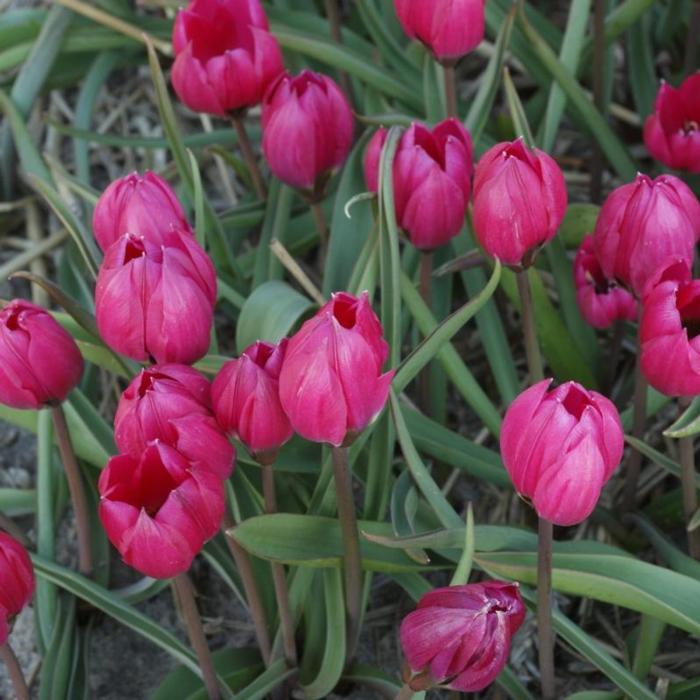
(691, 46)
(406, 693)
(352, 560)
(257, 609)
(634, 461)
(249, 157)
(596, 184)
(322, 228)
(544, 608)
(184, 594)
(532, 348)
(450, 90)
(278, 576)
(333, 15)
(426, 284)
(76, 488)
(15, 672)
(688, 482)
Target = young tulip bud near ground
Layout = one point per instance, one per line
(16, 581)
(144, 205)
(560, 447)
(172, 403)
(460, 636)
(672, 132)
(307, 130)
(601, 301)
(643, 226)
(448, 28)
(225, 56)
(155, 301)
(39, 361)
(519, 201)
(331, 384)
(158, 510)
(432, 174)
(246, 400)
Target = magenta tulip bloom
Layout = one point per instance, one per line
(16, 581)
(643, 226)
(307, 130)
(144, 205)
(560, 447)
(672, 132)
(460, 636)
(155, 302)
(449, 28)
(159, 510)
(331, 384)
(39, 361)
(225, 56)
(601, 301)
(432, 180)
(172, 403)
(246, 400)
(519, 201)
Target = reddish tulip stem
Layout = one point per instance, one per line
(352, 559)
(544, 608)
(634, 462)
(322, 228)
(333, 15)
(184, 592)
(596, 186)
(76, 488)
(249, 157)
(691, 46)
(532, 348)
(405, 693)
(688, 483)
(257, 609)
(451, 90)
(15, 672)
(278, 576)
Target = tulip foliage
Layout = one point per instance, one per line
(360, 320)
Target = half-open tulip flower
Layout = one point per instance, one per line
(225, 56)
(39, 361)
(158, 510)
(672, 132)
(643, 226)
(331, 384)
(519, 201)
(155, 301)
(307, 130)
(144, 205)
(560, 447)
(246, 400)
(449, 28)
(670, 336)
(601, 301)
(172, 403)
(16, 581)
(432, 180)
(460, 636)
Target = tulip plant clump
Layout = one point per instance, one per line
(354, 337)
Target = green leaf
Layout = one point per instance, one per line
(464, 568)
(372, 678)
(641, 59)
(513, 685)
(275, 674)
(14, 502)
(270, 313)
(658, 458)
(517, 112)
(687, 424)
(579, 221)
(57, 662)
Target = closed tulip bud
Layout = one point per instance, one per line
(432, 180)
(449, 28)
(155, 301)
(39, 361)
(331, 384)
(158, 509)
(519, 201)
(246, 399)
(225, 56)
(601, 301)
(144, 205)
(172, 403)
(307, 130)
(16, 581)
(459, 637)
(560, 447)
(672, 132)
(643, 226)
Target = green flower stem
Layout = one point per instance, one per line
(690, 493)
(249, 157)
(532, 348)
(544, 608)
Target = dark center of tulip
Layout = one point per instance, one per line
(12, 321)
(157, 483)
(690, 125)
(134, 249)
(261, 354)
(345, 311)
(148, 380)
(688, 306)
(429, 144)
(497, 607)
(595, 276)
(575, 402)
